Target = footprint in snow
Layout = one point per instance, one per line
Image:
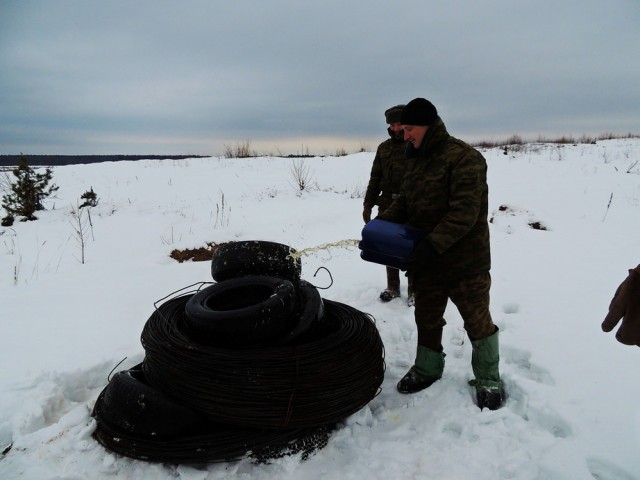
(521, 360)
(536, 411)
(603, 470)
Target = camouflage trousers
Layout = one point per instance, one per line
(471, 297)
(393, 281)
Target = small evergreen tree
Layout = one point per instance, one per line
(28, 191)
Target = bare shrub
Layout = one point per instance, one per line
(222, 213)
(228, 151)
(301, 174)
(515, 140)
(516, 143)
(586, 139)
(241, 150)
(341, 152)
(358, 191)
(81, 223)
(565, 140)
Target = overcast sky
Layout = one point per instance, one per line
(189, 77)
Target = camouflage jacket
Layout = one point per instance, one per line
(387, 171)
(445, 194)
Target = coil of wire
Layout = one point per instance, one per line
(331, 373)
(218, 443)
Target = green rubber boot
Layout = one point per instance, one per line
(485, 358)
(427, 369)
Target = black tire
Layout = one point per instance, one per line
(254, 257)
(310, 311)
(245, 311)
(131, 405)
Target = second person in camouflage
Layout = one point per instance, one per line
(387, 171)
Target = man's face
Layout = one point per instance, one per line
(397, 130)
(415, 134)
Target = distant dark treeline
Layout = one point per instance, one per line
(55, 160)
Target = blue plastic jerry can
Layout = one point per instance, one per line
(388, 243)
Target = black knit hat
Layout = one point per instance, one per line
(393, 114)
(419, 111)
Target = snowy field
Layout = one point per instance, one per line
(572, 410)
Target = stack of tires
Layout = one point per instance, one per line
(256, 364)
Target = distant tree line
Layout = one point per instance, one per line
(54, 160)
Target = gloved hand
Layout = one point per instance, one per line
(366, 213)
(626, 305)
(421, 255)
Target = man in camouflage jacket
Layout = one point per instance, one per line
(387, 171)
(445, 194)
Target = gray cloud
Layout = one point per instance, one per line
(164, 76)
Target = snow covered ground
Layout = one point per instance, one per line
(572, 411)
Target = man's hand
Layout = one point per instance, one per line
(625, 305)
(366, 213)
